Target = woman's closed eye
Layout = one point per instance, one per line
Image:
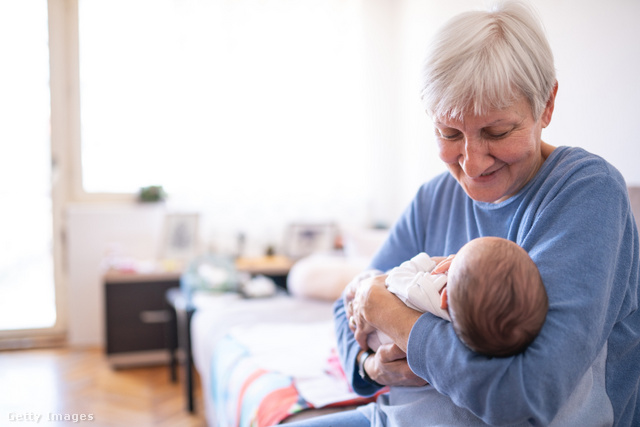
(497, 136)
(497, 133)
(447, 135)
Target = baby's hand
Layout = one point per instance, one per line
(443, 266)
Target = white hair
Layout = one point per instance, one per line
(485, 60)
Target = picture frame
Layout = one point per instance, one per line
(303, 239)
(180, 238)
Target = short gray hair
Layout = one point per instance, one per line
(484, 60)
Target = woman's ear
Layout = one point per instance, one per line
(548, 110)
(444, 302)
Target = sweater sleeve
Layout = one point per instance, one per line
(348, 349)
(579, 236)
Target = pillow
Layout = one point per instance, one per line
(363, 242)
(323, 276)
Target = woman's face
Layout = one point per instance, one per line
(494, 155)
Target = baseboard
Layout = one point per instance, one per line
(24, 343)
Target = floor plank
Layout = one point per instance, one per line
(79, 383)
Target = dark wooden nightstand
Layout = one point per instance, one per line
(137, 317)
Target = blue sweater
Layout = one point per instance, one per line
(575, 220)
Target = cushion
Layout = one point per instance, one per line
(323, 276)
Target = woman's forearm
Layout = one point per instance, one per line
(388, 313)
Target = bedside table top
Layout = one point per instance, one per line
(116, 276)
(268, 265)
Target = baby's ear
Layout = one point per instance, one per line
(444, 302)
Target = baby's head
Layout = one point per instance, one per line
(496, 297)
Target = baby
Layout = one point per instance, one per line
(493, 295)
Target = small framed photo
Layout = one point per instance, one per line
(304, 239)
(180, 240)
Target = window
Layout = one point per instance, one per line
(238, 106)
(27, 291)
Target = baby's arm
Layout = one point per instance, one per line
(424, 295)
(415, 283)
(401, 277)
(443, 264)
(406, 280)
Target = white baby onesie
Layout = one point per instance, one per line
(414, 284)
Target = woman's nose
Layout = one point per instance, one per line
(475, 159)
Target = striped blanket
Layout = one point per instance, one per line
(262, 374)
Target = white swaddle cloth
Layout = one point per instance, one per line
(414, 284)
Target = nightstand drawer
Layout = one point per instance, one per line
(137, 315)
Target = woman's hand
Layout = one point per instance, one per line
(371, 306)
(389, 366)
(374, 307)
(368, 298)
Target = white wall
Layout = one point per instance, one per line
(93, 233)
(598, 62)
(597, 56)
(597, 53)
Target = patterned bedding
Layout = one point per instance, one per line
(262, 374)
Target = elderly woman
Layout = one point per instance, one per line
(490, 88)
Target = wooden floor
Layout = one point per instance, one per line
(76, 383)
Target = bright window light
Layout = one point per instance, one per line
(246, 103)
(27, 293)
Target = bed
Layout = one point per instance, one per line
(263, 361)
